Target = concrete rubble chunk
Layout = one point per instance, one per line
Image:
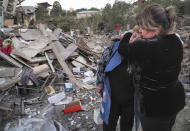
(34, 47)
(41, 70)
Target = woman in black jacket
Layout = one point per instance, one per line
(156, 61)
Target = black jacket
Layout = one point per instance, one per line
(157, 66)
(121, 90)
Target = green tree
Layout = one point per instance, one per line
(82, 9)
(40, 12)
(106, 18)
(121, 13)
(57, 9)
(165, 3)
(93, 8)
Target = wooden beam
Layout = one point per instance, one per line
(49, 62)
(89, 66)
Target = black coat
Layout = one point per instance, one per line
(158, 64)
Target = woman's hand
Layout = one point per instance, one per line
(99, 89)
(135, 36)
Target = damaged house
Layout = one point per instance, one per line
(26, 15)
(8, 11)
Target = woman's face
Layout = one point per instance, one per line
(146, 33)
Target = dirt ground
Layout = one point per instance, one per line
(77, 121)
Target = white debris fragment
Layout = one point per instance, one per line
(56, 98)
(97, 118)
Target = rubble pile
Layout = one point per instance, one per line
(49, 77)
(185, 72)
(183, 119)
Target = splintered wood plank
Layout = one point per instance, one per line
(76, 83)
(65, 52)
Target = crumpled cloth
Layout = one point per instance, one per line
(6, 48)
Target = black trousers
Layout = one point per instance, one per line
(126, 113)
(157, 123)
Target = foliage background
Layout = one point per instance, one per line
(121, 13)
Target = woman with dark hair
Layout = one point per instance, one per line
(156, 61)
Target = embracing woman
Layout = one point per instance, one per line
(156, 61)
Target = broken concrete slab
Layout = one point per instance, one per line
(6, 83)
(20, 54)
(9, 71)
(34, 47)
(31, 34)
